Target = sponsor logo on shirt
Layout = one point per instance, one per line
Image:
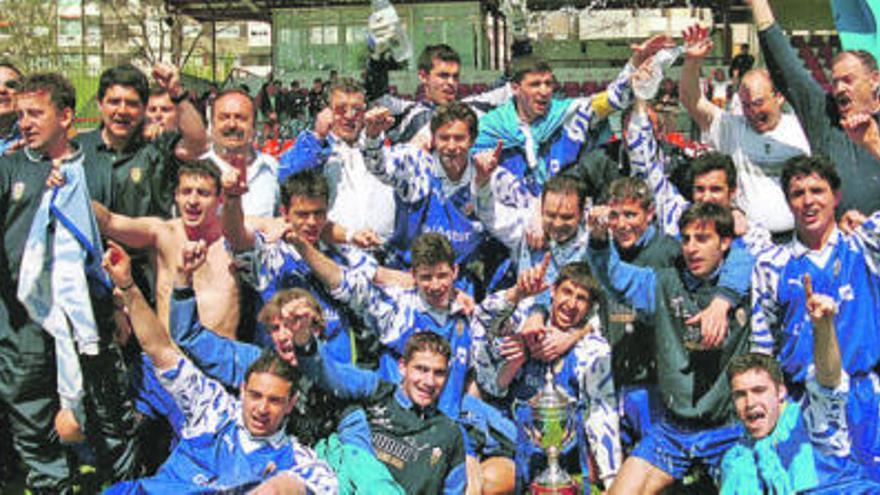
(18, 191)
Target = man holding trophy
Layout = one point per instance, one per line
(556, 400)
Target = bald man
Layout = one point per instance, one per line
(759, 141)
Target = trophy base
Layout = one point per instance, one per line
(536, 489)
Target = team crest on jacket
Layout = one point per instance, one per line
(136, 175)
(17, 191)
(436, 453)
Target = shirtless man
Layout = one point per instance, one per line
(197, 197)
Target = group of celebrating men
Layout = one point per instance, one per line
(432, 264)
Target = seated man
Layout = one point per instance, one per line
(226, 444)
(696, 421)
(398, 314)
(422, 447)
(197, 196)
(279, 265)
(794, 446)
(506, 371)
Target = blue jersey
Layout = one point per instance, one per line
(396, 314)
(279, 266)
(584, 372)
(427, 200)
(217, 453)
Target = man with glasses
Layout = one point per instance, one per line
(10, 136)
(358, 200)
(759, 141)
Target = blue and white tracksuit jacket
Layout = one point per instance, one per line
(584, 372)
(279, 266)
(217, 453)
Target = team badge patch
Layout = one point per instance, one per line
(136, 175)
(436, 453)
(17, 191)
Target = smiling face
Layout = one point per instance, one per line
(197, 200)
(162, 111)
(533, 95)
(441, 83)
(232, 122)
(758, 401)
(561, 214)
(9, 81)
(854, 86)
(762, 106)
(712, 187)
(452, 142)
(703, 249)
(812, 203)
(628, 220)
(42, 125)
(435, 283)
(423, 377)
(571, 303)
(122, 112)
(266, 400)
(348, 114)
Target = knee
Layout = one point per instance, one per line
(499, 476)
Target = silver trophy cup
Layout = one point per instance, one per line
(550, 425)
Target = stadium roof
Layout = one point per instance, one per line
(261, 10)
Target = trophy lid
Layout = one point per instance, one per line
(550, 394)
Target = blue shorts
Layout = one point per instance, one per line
(641, 407)
(674, 447)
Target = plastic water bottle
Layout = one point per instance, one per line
(663, 59)
(385, 16)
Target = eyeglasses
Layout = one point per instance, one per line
(11, 84)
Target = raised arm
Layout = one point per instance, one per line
(134, 232)
(327, 271)
(150, 333)
(236, 232)
(194, 138)
(634, 283)
(402, 167)
(698, 44)
(220, 358)
(826, 351)
(310, 150)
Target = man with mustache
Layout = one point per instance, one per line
(759, 140)
(841, 124)
(844, 266)
(696, 422)
(232, 147)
